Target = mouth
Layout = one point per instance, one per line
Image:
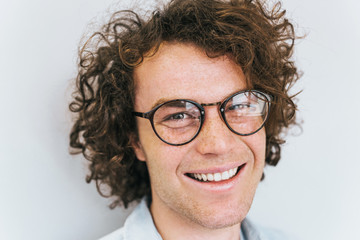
(215, 177)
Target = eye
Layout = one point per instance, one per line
(176, 116)
(181, 116)
(179, 120)
(242, 107)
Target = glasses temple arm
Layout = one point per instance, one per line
(140, 114)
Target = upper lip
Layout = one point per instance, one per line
(217, 169)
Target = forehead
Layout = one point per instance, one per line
(185, 71)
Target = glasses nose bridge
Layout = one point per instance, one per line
(210, 104)
(218, 104)
(214, 128)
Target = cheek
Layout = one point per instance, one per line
(164, 164)
(154, 151)
(146, 140)
(161, 158)
(257, 144)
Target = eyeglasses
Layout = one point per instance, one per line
(178, 122)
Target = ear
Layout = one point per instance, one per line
(138, 149)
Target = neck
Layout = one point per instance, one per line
(171, 226)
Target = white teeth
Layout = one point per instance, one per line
(198, 176)
(215, 176)
(225, 175)
(204, 177)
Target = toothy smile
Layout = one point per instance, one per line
(219, 176)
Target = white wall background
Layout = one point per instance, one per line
(313, 194)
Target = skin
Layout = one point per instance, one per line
(183, 208)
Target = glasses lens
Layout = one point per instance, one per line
(245, 113)
(177, 122)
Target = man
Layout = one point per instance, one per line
(182, 111)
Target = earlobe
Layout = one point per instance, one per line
(138, 149)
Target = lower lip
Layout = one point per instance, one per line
(220, 186)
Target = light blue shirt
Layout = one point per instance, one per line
(140, 226)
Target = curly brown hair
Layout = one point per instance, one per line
(259, 39)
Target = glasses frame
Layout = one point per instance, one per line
(150, 114)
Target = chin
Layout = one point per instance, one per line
(224, 217)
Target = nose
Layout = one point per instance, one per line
(215, 137)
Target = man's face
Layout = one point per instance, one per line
(185, 72)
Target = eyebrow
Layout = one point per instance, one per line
(176, 102)
(160, 101)
(163, 100)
